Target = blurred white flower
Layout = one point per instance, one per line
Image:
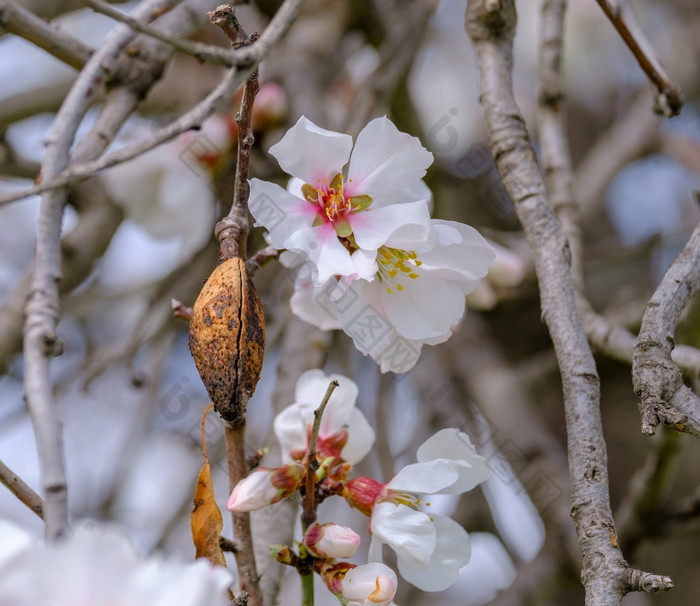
(266, 486)
(430, 549)
(99, 567)
(344, 431)
(337, 221)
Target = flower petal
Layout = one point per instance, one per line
(374, 227)
(371, 584)
(408, 532)
(279, 211)
(426, 307)
(385, 163)
(321, 247)
(426, 478)
(360, 437)
(453, 445)
(462, 254)
(312, 303)
(452, 551)
(312, 153)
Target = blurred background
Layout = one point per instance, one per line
(141, 234)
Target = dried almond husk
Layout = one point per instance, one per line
(227, 338)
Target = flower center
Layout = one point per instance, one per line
(333, 203)
(395, 265)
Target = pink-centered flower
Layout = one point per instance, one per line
(430, 549)
(417, 298)
(344, 433)
(337, 219)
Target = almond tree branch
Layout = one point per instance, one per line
(605, 574)
(640, 513)
(43, 305)
(60, 44)
(249, 56)
(232, 230)
(669, 99)
(657, 380)
(21, 490)
(203, 52)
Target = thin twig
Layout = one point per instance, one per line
(669, 99)
(657, 380)
(262, 258)
(203, 52)
(245, 556)
(605, 574)
(249, 56)
(21, 490)
(640, 513)
(308, 516)
(232, 230)
(21, 22)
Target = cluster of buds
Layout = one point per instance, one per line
(430, 548)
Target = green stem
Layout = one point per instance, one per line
(307, 589)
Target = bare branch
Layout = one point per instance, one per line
(640, 513)
(245, 555)
(21, 490)
(249, 56)
(669, 99)
(203, 52)
(63, 46)
(232, 230)
(657, 380)
(605, 574)
(43, 305)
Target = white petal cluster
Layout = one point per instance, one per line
(375, 263)
(99, 567)
(430, 549)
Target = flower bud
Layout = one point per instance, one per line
(331, 541)
(369, 585)
(266, 486)
(361, 493)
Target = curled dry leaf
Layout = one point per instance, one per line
(206, 520)
(227, 338)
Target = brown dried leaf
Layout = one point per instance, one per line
(206, 520)
(227, 338)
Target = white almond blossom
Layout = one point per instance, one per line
(340, 421)
(417, 298)
(98, 566)
(430, 549)
(336, 220)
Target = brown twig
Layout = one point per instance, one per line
(308, 516)
(245, 556)
(232, 230)
(605, 574)
(657, 380)
(262, 258)
(640, 513)
(21, 490)
(669, 99)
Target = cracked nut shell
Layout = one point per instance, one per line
(227, 338)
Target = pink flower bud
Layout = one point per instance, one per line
(361, 493)
(331, 541)
(266, 486)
